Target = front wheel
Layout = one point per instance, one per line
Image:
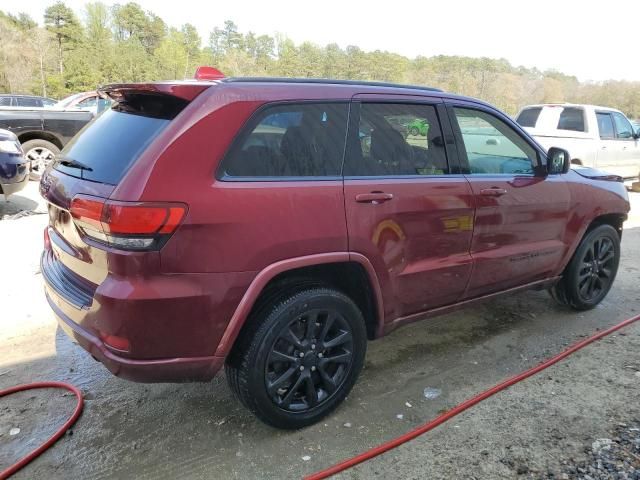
(299, 357)
(592, 270)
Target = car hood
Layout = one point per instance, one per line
(595, 174)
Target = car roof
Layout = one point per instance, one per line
(263, 88)
(351, 86)
(19, 95)
(325, 81)
(574, 105)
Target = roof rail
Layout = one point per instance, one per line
(325, 81)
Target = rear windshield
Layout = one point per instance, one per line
(528, 117)
(112, 142)
(110, 145)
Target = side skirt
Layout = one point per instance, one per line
(399, 322)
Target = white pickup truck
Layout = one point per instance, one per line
(594, 136)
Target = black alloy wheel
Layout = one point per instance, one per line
(309, 360)
(298, 356)
(590, 274)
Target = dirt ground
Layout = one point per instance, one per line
(540, 428)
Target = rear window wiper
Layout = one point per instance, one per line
(75, 164)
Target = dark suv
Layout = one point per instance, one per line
(274, 226)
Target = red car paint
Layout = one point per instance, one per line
(427, 244)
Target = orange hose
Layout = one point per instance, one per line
(72, 419)
(396, 442)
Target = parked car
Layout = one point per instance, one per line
(43, 132)
(83, 101)
(417, 127)
(14, 167)
(190, 230)
(28, 101)
(595, 136)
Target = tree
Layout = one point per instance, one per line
(131, 22)
(62, 22)
(172, 55)
(191, 42)
(97, 22)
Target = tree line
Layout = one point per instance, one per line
(125, 43)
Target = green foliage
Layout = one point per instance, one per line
(125, 43)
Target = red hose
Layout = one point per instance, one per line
(396, 442)
(72, 419)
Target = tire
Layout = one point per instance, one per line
(281, 367)
(591, 271)
(41, 153)
(414, 131)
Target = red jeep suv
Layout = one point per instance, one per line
(274, 226)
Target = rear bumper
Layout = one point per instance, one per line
(156, 370)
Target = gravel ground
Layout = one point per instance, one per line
(544, 427)
(614, 458)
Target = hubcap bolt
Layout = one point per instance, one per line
(320, 355)
(301, 368)
(301, 354)
(313, 369)
(313, 347)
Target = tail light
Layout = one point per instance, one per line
(127, 225)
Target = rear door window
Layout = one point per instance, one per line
(397, 139)
(113, 141)
(292, 140)
(5, 101)
(529, 116)
(605, 125)
(571, 118)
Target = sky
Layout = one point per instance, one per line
(591, 40)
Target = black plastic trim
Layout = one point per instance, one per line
(64, 282)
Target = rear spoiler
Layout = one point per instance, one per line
(185, 90)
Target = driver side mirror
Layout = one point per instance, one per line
(558, 161)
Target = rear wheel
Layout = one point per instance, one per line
(414, 131)
(592, 270)
(40, 153)
(299, 357)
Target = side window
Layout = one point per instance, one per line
(492, 146)
(624, 130)
(302, 140)
(605, 125)
(5, 101)
(571, 118)
(29, 102)
(529, 117)
(397, 139)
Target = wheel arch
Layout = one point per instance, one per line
(614, 219)
(329, 269)
(40, 135)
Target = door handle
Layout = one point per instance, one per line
(493, 192)
(374, 197)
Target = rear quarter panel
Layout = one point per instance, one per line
(231, 226)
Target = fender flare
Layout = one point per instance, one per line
(261, 280)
